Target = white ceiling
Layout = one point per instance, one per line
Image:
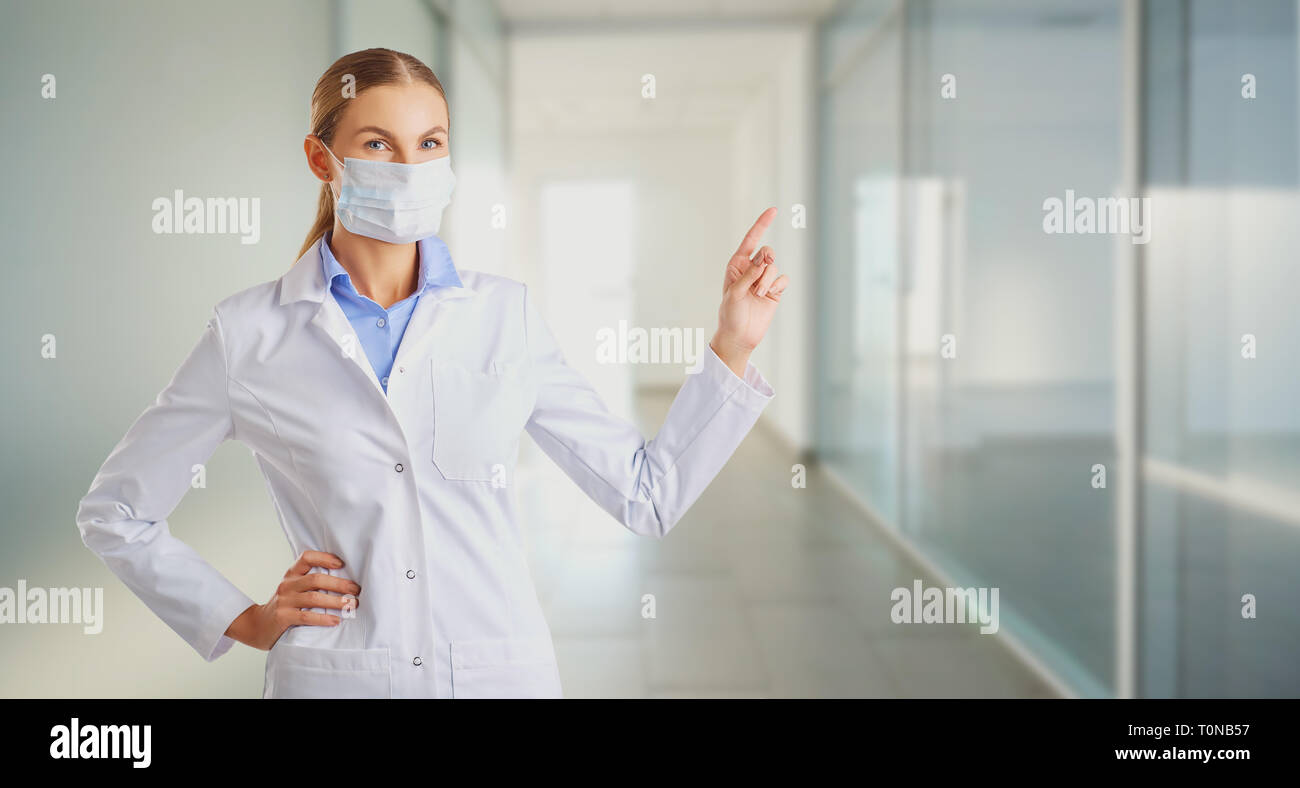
(591, 83)
(525, 12)
(577, 64)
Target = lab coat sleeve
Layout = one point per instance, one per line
(646, 486)
(123, 517)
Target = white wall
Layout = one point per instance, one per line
(773, 164)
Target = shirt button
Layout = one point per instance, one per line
(398, 467)
(410, 574)
(417, 662)
(384, 380)
(380, 322)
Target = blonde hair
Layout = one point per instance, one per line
(367, 68)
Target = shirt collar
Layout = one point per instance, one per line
(305, 279)
(436, 266)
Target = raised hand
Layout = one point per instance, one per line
(751, 289)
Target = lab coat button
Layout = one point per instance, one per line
(398, 467)
(417, 662)
(410, 574)
(401, 369)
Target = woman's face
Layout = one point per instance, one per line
(400, 123)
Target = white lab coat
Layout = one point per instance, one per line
(413, 490)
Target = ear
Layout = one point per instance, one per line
(319, 160)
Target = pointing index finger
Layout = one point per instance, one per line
(755, 234)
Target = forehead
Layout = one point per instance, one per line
(411, 108)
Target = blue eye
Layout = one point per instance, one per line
(431, 140)
(375, 142)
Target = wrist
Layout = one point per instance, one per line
(736, 358)
(241, 629)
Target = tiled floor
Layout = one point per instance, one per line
(762, 590)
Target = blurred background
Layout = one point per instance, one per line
(949, 376)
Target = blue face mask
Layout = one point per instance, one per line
(393, 202)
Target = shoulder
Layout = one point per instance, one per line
(492, 285)
(244, 319)
(492, 291)
(248, 306)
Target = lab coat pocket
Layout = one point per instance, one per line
(477, 419)
(294, 671)
(504, 668)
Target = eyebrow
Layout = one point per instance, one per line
(389, 134)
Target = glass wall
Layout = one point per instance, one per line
(1222, 351)
(970, 312)
(969, 390)
(860, 172)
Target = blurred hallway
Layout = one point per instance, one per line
(989, 388)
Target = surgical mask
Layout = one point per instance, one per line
(393, 202)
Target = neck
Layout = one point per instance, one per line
(383, 272)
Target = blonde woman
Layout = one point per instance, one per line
(383, 392)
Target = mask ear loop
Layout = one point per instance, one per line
(331, 153)
(330, 179)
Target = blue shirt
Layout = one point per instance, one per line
(380, 330)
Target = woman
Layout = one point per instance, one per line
(383, 393)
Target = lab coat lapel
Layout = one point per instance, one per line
(305, 281)
(330, 319)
